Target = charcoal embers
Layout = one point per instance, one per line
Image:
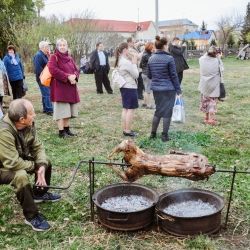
(192, 208)
(130, 203)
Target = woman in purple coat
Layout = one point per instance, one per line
(63, 88)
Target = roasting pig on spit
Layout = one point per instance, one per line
(176, 164)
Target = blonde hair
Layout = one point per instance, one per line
(61, 40)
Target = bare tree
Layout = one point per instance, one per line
(227, 24)
(173, 30)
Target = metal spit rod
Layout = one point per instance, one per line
(232, 171)
(76, 169)
(91, 179)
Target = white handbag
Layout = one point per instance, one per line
(178, 111)
(117, 78)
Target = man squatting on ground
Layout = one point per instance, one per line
(22, 153)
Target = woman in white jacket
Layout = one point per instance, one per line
(128, 69)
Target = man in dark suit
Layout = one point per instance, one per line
(177, 53)
(100, 64)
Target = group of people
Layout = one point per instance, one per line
(22, 153)
(63, 92)
(159, 76)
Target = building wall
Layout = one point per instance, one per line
(190, 28)
(177, 30)
(146, 35)
(204, 41)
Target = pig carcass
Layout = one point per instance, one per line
(191, 166)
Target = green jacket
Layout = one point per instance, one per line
(20, 150)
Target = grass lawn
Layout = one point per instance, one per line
(99, 131)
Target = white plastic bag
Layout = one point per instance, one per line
(178, 111)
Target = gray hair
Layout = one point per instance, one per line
(17, 110)
(43, 44)
(61, 40)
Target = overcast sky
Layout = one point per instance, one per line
(144, 10)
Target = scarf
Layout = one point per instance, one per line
(13, 60)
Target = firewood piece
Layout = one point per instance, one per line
(177, 164)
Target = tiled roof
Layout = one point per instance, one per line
(113, 25)
(198, 34)
(183, 21)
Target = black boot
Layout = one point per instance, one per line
(164, 137)
(66, 129)
(153, 135)
(64, 135)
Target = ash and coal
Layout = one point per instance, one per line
(130, 203)
(192, 208)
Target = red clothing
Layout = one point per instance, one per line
(61, 90)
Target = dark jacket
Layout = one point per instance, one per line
(95, 62)
(15, 72)
(40, 61)
(161, 69)
(177, 53)
(18, 148)
(60, 67)
(144, 61)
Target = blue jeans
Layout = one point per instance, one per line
(83, 69)
(45, 91)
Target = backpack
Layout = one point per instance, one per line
(88, 69)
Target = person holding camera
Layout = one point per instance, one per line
(211, 67)
(177, 53)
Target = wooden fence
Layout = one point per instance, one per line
(198, 51)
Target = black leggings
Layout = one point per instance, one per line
(17, 89)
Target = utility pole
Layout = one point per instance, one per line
(156, 18)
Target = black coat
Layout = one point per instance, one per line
(177, 53)
(95, 62)
(144, 61)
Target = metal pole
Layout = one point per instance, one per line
(230, 197)
(156, 18)
(91, 183)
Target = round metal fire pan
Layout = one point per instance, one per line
(183, 226)
(125, 221)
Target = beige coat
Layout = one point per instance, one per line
(210, 78)
(133, 51)
(129, 72)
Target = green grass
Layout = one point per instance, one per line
(98, 126)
